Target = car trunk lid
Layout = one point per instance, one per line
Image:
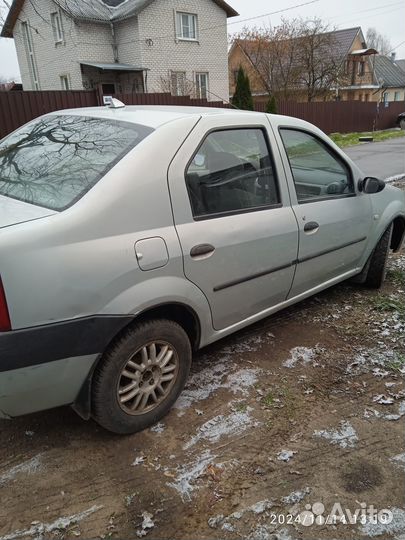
(13, 212)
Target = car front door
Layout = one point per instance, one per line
(233, 217)
(334, 219)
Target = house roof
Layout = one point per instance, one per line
(388, 72)
(401, 64)
(96, 10)
(342, 42)
(114, 67)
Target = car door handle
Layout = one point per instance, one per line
(311, 226)
(202, 251)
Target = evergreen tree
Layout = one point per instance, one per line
(242, 98)
(271, 107)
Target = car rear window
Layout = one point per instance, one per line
(53, 161)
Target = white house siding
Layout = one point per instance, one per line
(148, 41)
(52, 60)
(209, 54)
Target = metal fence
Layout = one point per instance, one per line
(343, 116)
(17, 108)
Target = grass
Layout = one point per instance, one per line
(268, 400)
(397, 277)
(351, 139)
(385, 303)
(397, 364)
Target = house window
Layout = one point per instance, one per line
(202, 85)
(397, 96)
(64, 81)
(187, 26)
(361, 68)
(57, 27)
(178, 80)
(385, 97)
(235, 76)
(30, 54)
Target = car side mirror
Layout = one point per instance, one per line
(371, 185)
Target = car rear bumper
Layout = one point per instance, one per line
(46, 366)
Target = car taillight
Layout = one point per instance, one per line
(5, 324)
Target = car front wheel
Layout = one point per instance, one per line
(141, 376)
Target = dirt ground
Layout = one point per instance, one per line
(278, 424)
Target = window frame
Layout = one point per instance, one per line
(261, 128)
(332, 152)
(65, 78)
(199, 86)
(176, 73)
(56, 22)
(179, 25)
(29, 48)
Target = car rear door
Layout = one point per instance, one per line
(334, 219)
(233, 216)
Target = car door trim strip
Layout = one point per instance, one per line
(327, 251)
(257, 275)
(253, 276)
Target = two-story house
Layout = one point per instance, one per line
(352, 58)
(122, 45)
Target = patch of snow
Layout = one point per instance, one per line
(42, 530)
(302, 355)
(399, 460)
(31, 466)
(147, 524)
(382, 399)
(345, 437)
(189, 473)
(397, 524)
(394, 178)
(212, 430)
(227, 523)
(296, 496)
(214, 376)
(158, 428)
(286, 455)
(138, 461)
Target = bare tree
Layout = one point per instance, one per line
(298, 57)
(378, 41)
(322, 68)
(272, 53)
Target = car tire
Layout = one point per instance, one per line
(377, 266)
(140, 376)
(402, 123)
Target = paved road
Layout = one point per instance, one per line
(381, 159)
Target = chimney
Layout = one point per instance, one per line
(393, 55)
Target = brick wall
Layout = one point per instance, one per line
(209, 54)
(51, 60)
(148, 41)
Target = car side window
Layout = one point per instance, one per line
(317, 171)
(232, 172)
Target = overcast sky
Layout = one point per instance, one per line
(387, 16)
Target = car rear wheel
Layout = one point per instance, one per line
(141, 376)
(377, 269)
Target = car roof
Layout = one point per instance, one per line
(153, 116)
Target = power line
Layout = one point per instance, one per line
(213, 27)
(374, 15)
(383, 6)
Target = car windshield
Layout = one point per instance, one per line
(53, 161)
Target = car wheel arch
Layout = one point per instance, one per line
(398, 233)
(184, 315)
